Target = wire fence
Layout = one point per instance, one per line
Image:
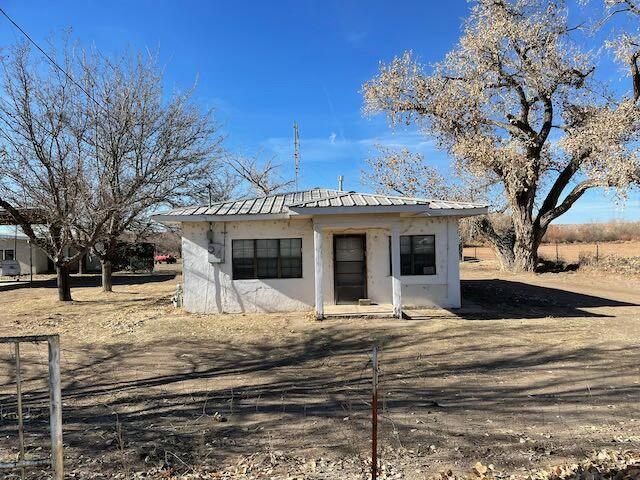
(563, 252)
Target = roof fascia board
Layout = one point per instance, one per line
(356, 209)
(220, 218)
(419, 209)
(301, 212)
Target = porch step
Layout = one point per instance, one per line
(371, 311)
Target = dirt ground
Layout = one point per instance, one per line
(534, 370)
(567, 252)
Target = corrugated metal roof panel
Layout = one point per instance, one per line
(314, 198)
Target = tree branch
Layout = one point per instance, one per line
(567, 203)
(559, 185)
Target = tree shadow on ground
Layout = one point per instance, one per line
(312, 391)
(501, 298)
(91, 280)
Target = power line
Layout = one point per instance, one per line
(53, 62)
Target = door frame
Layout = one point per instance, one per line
(364, 249)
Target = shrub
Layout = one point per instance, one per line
(593, 232)
(610, 263)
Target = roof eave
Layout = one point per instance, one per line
(421, 210)
(168, 218)
(456, 212)
(416, 209)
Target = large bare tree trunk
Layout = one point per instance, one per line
(64, 283)
(107, 279)
(503, 251)
(517, 248)
(525, 255)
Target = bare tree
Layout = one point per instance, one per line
(515, 77)
(262, 177)
(44, 127)
(626, 45)
(402, 172)
(148, 152)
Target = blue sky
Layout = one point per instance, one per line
(264, 65)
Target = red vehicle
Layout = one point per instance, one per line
(165, 258)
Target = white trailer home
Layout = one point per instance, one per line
(315, 248)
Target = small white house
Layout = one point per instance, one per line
(30, 257)
(304, 250)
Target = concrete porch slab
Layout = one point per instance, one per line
(379, 311)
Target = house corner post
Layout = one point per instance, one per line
(396, 285)
(318, 274)
(453, 264)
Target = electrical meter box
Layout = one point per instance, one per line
(216, 252)
(216, 244)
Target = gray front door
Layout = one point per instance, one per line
(350, 268)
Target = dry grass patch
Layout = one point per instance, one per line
(535, 371)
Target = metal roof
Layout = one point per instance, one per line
(268, 204)
(308, 201)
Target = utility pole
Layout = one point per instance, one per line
(296, 152)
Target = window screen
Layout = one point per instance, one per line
(267, 258)
(417, 254)
(9, 255)
(291, 258)
(243, 259)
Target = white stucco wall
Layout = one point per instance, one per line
(22, 255)
(417, 290)
(210, 288)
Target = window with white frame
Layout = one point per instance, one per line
(417, 255)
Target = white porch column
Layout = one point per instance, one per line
(453, 264)
(317, 257)
(396, 286)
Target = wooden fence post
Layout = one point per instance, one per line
(55, 408)
(374, 415)
(19, 400)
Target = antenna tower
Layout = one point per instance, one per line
(296, 151)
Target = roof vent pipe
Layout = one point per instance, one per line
(340, 181)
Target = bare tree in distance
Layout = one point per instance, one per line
(402, 172)
(220, 183)
(149, 151)
(262, 177)
(516, 106)
(46, 164)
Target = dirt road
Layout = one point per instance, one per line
(533, 371)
